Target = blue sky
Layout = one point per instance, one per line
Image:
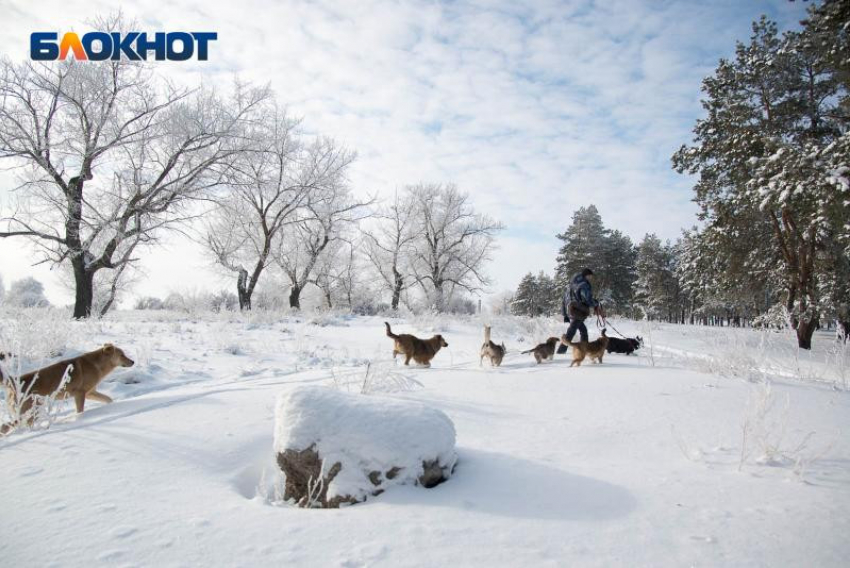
(533, 108)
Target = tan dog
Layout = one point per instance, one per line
(420, 350)
(544, 351)
(594, 349)
(87, 370)
(492, 351)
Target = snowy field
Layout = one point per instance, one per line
(680, 456)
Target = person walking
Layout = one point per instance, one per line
(577, 303)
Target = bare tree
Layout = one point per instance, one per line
(337, 272)
(153, 146)
(324, 222)
(389, 245)
(267, 186)
(453, 242)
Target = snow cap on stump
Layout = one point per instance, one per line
(336, 447)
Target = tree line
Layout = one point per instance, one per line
(111, 156)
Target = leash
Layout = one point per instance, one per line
(608, 324)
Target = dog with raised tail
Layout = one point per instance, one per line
(594, 349)
(420, 350)
(492, 351)
(544, 351)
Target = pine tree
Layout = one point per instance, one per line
(585, 244)
(610, 254)
(772, 154)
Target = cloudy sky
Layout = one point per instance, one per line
(534, 108)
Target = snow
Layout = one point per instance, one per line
(363, 434)
(635, 462)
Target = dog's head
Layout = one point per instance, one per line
(637, 342)
(442, 341)
(117, 356)
(504, 349)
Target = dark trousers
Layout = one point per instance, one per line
(576, 325)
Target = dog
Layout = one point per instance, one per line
(420, 350)
(594, 349)
(492, 351)
(85, 373)
(628, 345)
(544, 351)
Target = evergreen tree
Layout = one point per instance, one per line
(771, 156)
(536, 296)
(619, 269)
(585, 245)
(610, 254)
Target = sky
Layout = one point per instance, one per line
(533, 108)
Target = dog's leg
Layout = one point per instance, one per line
(98, 396)
(407, 360)
(80, 401)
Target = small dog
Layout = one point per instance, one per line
(628, 345)
(594, 349)
(544, 351)
(420, 350)
(492, 351)
(85, 374)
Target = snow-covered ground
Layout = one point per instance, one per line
(636, 462)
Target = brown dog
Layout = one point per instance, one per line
(544, 351)
(491, 350)
(594, 349)
(86, 372)
(420, 350)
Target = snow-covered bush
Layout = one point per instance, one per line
(149, 303)
(26, 409)
(336, 447)
(27, 293)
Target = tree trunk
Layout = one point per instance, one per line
(84, 285)
(242, 291)
(439, 297)
(83, 279)
(399, 283)
(805, 330)
(295, 298)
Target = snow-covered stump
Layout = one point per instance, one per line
(336, 447)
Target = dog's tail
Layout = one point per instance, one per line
(486, 334)
(390, 331)
(526, 352)
(565, 341)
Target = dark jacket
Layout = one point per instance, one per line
(580, 292)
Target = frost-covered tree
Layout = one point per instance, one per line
(27, 293)
(453, 243)
(389, 245)
(775, 146)
(265, 188)
(109, 155)
(325, 221)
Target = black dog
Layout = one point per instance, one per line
(627, 346)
